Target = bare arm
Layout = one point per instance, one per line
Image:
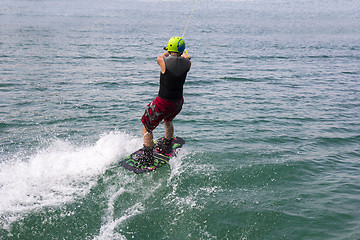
(161, 62)
(185, 55)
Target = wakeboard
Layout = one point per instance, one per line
(131, 163)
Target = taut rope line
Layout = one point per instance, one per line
(192, 11)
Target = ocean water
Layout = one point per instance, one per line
(271, 120)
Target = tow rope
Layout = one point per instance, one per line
(192, 11)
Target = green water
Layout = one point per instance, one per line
(270, 120)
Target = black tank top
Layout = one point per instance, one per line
(172, 81)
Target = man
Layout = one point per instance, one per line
(174, 65)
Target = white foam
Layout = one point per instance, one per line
(177, 168)
(110, 221)
(176, 165)
(142, 190)
(58, 174)
(107, 230)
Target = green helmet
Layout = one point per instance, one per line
(176, 44)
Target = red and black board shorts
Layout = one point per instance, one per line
(160, 109)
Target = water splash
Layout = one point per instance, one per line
(57, 174)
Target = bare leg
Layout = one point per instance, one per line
(169, 130)
(147, 138)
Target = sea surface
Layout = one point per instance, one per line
(271, 120)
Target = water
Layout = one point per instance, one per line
(271, 120)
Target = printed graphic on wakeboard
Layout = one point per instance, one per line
(131, 163)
